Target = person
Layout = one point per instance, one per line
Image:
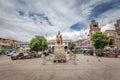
(84, 52)
(59, 38)
(118, 50)
(45, 53)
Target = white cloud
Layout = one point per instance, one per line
(107, 27)
(73, 35)
(76, 35)
(108, 19)
(62, 14)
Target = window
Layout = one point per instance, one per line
(65, 43)
(108, 34)
(111, 34)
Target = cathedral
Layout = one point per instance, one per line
(114, 35)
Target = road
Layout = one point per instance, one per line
(87, 68)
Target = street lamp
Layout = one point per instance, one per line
(47, 41)
(42, 44)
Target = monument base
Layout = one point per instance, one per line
(60, 55)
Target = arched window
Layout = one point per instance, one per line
(111, 42)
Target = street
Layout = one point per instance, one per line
(86, 68)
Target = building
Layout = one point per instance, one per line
(2, 40)
(112, 36)
(83, 42)
(23, 44)
(117, 30)
(94, 27)
(86, 42)
(13, 43)
(52, 43)
(117, 27)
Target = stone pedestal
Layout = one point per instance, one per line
(60, 55)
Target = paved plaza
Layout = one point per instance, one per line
(86, 68)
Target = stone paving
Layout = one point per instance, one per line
(87, 68)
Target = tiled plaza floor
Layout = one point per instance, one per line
(86, 68)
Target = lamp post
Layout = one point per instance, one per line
(42, 44)
(49, 53)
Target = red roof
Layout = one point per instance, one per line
(12, 39)
(4, 44)
(85, 41)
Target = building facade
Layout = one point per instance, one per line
(13, 42)
(94, 27)
(114, 35)
(117, 30)
(83, 42)
(53, 43)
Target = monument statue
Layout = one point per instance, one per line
(59, 51)
(59, 38)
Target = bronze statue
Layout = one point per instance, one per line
(59, 38)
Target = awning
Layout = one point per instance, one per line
(27, 48)
(4, 44)
(7, 48)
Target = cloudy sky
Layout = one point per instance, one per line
(23, 19)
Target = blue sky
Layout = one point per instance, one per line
(23, 19)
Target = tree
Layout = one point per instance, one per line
(71, 45)
(39, 43)
(99, 40)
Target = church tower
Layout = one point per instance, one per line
(94, 27)
(117, 27)
(117, 30)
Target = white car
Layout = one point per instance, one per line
(40, 52)
(11, 53)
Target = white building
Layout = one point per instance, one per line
(53, 43)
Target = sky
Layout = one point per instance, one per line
(24, 19)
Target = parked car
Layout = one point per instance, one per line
(17, 55)
(27, 56)
(11, 53)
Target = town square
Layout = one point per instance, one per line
(59, 40)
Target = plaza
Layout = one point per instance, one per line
(59, 40)
(86, 68)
